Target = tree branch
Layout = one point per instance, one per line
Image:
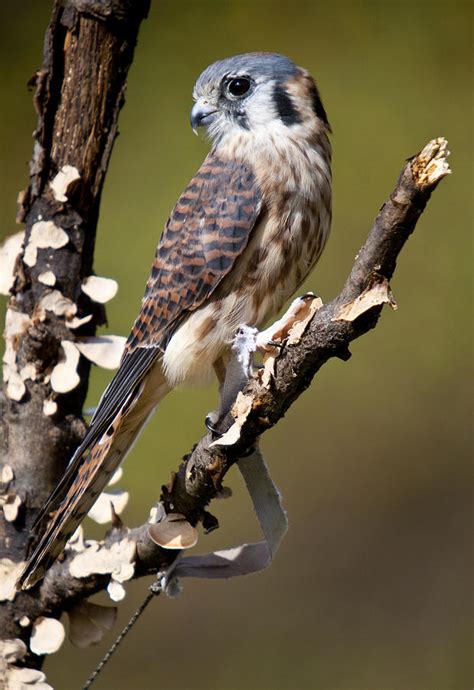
(264, 400)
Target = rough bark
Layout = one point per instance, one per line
(79, 91)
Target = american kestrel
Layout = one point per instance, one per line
(243, 236)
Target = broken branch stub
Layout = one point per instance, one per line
(431, 164)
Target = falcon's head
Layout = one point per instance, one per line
(256, 92)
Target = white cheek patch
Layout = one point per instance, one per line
(260, 108)
(223, 126)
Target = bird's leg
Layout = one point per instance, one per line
(240, 365)
(234, 375)
(248, 340)
(213, 417)
(220, 370)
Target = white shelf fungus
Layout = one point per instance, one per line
(174, 532)
(101, 511)
(11, 504)
(63, 181)
(47, 278)
(100, 289)
(44, 234)
(9, 572)
(64, 377)
(50, 407)
(56, 302)
(104, 350)
(47, 636)
(9, 251)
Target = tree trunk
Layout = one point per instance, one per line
(80, 88)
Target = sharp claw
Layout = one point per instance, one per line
(210, 422)
(275, 343)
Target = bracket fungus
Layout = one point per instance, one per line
(47, 636)
(10, 504)
(116, 560)
(104, 350)
(100, 289)
(50, 407)
(77, 322)
(16, 325)
(63, 181)
(108, 504)
(9, 250)
(14, 677)
(6, 474)
(173, 532)
(56, 302)
(64, 377)
(9, 572)
(47, 278)
(44, 234)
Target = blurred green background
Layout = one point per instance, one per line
(371, 589)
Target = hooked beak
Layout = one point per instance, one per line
(201, 114)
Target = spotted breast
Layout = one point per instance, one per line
(292, 175)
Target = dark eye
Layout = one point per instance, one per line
(238, 87)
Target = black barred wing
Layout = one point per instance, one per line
(207, 231)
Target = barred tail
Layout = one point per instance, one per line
(79, 493)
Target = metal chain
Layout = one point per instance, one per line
(154, 591)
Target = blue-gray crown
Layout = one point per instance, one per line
(252, 64)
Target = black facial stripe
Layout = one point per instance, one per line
(241, 118)
(318, 107)
(236, 111)
(287, 112)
